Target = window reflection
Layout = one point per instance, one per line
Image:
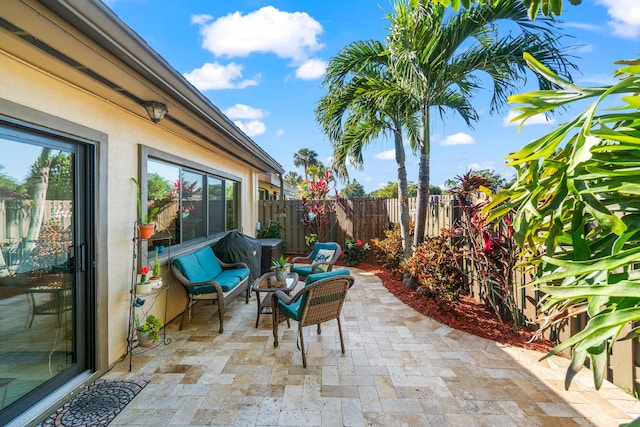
(180, 196)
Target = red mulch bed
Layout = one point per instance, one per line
(467, 315)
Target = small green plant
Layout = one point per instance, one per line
(280, 264)
(152, 325)
(272, 231)
(144, 218)
(435, 267)
(156, 265)
(355, 252)
(311, 239)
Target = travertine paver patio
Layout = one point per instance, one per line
(400, 369)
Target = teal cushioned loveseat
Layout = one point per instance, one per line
(204, 276)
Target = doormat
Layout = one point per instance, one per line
(97, 405)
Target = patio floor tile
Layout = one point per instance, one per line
(399, 369)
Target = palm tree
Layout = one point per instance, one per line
(357, 110)
(436, 56)
(305, 158)
(292, 178)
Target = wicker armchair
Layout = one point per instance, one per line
(312, 305)
(322, 258)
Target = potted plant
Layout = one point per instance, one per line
(155, 279)
(281, 267)
(143, 286)
(148, 332)
(144, 220)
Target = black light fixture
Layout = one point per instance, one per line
(156, 110)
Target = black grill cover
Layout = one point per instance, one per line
(237, 247)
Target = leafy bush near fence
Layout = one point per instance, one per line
(355, 251)
(435, 268)
(388, 251)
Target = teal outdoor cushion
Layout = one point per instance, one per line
(294, 310)
(203, 266)
(229, 279)
(291, 310)
(319, 276)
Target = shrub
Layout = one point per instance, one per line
(435, 267)
(388, 251)
(271, 231)
(355, 251)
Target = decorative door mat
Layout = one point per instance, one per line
(97, 405)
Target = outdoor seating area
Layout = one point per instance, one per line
(399, 368)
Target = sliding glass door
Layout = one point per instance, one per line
(43, 264)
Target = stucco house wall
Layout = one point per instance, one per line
(35, 84)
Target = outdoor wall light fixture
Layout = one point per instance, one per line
(156, 110)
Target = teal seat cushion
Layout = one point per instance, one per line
(319, 276)
(302, 270)
(229, 279)
(292, 310)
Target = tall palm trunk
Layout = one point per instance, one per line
(403, 194)
(423, 179)
(39, 197)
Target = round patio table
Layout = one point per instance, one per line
(268, 284)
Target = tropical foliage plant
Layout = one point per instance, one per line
(435, 267)
(388, 251)
(316, 207)
(489, 246)
(576, 220)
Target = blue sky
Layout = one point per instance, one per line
(261, 62)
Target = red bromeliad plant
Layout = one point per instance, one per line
(316, 208)
(490, 247)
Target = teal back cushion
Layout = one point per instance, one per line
(199, 266)
(319, 245)
(319, 276)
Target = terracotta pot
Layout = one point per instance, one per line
(146, 231)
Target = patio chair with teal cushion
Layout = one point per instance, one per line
(321, 259)
(312, 305)
(204, 276)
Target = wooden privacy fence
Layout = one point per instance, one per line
(363, 218)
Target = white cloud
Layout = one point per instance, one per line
(280, 132)
(312, 69)
(583, 26)
(201, 19)
(459, 138)
(583, 48)
(217, 76)
(267, 30)
(385, 155)
(599, 79)
(252, 128)
(625, 16)
(241, 111)
(480, 166)
(538, 119)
